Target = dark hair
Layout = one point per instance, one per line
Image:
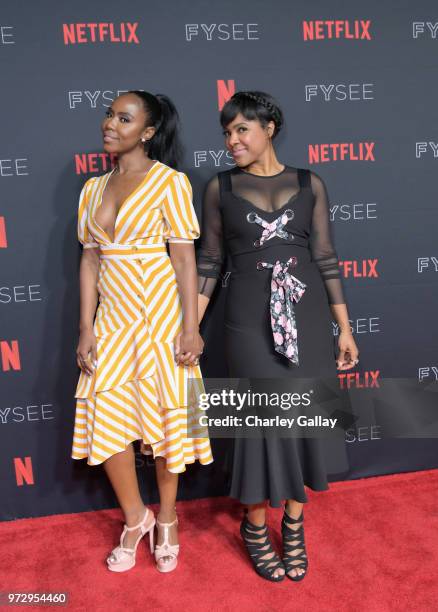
(165, 145)
(253, 105)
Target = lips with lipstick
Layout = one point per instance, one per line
(238, 152)
(109, 136)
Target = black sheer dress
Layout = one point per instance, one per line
(256, 219)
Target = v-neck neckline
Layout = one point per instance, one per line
(128, 197)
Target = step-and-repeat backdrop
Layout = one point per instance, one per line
(357, 83)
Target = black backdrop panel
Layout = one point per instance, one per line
(343, 72)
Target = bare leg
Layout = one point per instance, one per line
(120, 469)
(257, 516)
(293, 509)
(167, 486)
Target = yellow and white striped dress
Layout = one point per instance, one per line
(137, 392)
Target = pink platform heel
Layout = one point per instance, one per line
(166, 555)
(121, 558)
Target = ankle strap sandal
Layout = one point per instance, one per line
(258, 545)
(293, 540)
(166, 555)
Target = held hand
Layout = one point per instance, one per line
(86, 353)
(348, 352)
(188, 347)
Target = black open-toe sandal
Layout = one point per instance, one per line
(256, 540)
(293, 540)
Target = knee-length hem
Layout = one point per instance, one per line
(137, 391)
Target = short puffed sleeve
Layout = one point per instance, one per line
(84, 235)
(178, 211)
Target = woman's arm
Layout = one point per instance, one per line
(88, 275)
(203, 302)
(210, 254)
(189, 344)
(325, 256)
(348, 351)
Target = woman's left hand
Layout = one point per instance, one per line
(348, 352)
(188, 347)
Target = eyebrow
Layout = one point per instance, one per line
(121, 112)
(238, 124)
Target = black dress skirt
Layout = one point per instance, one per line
(270, 467)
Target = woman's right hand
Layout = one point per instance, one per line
(86, 353)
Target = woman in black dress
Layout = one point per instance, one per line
(263, 212)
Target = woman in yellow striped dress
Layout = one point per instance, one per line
(139, 352)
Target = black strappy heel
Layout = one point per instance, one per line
(257, 538)
(294, 540)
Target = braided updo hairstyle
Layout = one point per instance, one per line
(253, 105)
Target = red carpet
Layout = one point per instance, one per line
(372, 546)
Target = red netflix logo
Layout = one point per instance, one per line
(10, 355)
(23, 471)
(359, 380)
(80, 33)
(224, 92)
(365, 268)
(89, 163)
(3, 239)
(337, 28)
(341, 151)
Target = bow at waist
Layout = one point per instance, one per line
(285, 290)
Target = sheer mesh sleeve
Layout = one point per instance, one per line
(321, 244)
(210, 255)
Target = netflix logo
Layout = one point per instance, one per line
(82, 33)
(92, 163)
(225, 89)
(23, 471)
(341, 151)
(359, 380)
(3, 239)
(10, 355)
(365, 268)
(359, 29)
